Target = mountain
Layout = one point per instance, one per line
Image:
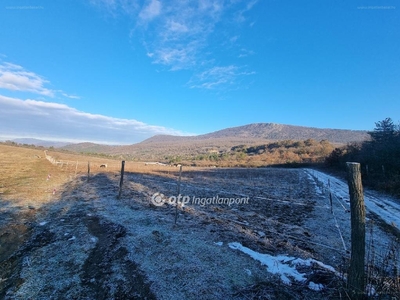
(37, 142)
(160, 146)
(270, 132)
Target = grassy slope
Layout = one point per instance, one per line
(25, 172)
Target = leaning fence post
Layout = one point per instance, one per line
(122, 179)
(356, 275)
(330, 195)
(179, 192)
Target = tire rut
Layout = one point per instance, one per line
(108, 273)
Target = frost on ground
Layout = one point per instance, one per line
(89, 245)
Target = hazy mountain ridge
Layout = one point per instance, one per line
(39, 142)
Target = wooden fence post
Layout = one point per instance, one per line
(356, 276)
(122, 179)
(179, 192)
(88, 170)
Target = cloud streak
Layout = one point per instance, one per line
(54, 121)
(216, 77)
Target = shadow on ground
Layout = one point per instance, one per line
(79, 247)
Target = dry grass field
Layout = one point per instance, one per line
(28, 179)
(63, 236)
(23, 178)
(29, 183)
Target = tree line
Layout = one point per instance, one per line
(379, 157)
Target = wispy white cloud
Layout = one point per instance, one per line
(68, 95)
(118, 7)
(182, 56)
(71, 96)
(15, 78)
(39, 119)
(234, 39)
(245, 52)
(179, 34)
(174, 26)
(240, 13)
(151, 10)
(217, 77)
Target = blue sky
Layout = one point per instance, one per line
(120, 71)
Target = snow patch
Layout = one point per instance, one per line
(383, 206)
(284, 266)
(315, 286)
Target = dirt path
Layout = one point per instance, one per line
(88, 245)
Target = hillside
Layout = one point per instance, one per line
(89, 148)
(160, 146)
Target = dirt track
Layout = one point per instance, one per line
(88, 245)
